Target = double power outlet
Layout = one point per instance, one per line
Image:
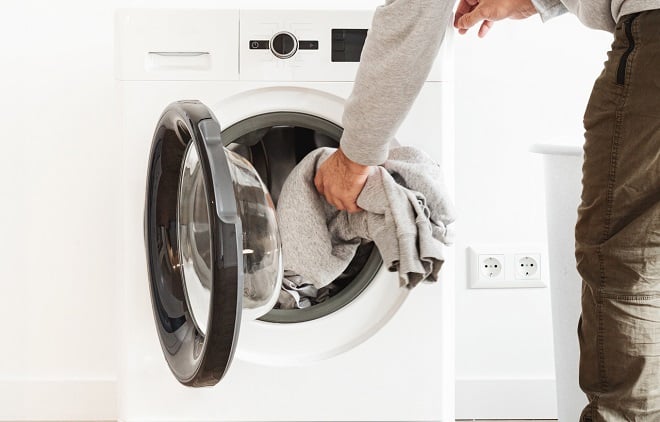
(506, 266)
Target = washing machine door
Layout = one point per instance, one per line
(212, 243)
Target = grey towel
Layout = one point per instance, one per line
(406, 214)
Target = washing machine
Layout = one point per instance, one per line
(217, 108)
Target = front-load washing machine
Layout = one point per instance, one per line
(218, 106)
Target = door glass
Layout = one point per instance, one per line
(262, 251)
(195, 238)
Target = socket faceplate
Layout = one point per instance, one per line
(483, 274)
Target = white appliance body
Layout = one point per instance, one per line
(387, 355)
(563, 177)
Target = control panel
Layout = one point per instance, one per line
(346, 44)
(302, 45)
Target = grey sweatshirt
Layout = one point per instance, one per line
(401, 46)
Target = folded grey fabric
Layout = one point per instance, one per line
(406, 213)
(296, 293)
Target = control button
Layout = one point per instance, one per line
(259, 44)
(308, 45)
(284, 45)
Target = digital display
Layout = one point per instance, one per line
(347, 44)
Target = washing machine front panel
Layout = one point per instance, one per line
(202, 265)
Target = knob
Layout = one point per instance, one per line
(284, 45)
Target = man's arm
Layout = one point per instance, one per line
(398, 54)
(399, 51)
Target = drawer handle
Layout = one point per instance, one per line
(178, 61)
(179, 53)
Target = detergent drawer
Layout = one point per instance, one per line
(176, 45)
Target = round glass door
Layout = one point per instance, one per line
(262, 257)
(212, 241)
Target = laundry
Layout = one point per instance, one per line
(407, 214)
(296, 293)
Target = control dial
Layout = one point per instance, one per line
(284, 45)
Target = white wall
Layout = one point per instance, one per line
(58, 186)
(59, 167)
(526, 82)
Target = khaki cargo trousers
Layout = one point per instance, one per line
(618, 230)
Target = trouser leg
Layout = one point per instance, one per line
(618, 230)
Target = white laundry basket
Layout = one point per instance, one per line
(563, 176)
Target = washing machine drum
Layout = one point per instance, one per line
(212, 241)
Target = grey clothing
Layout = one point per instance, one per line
(406, 214)
(297, 293)
(596, 14)
(401, 46)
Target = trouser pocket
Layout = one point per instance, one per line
(623, 63)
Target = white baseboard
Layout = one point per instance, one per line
(95, 400)
(51, 400)
(506, 399)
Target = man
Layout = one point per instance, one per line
(618, 228)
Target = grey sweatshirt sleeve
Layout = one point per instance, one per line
(399, 51)
(549, 9)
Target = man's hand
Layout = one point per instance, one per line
(471, 12)
(341, 180)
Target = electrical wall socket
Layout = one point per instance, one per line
(506, 266)
(528, 266)
(491, 267)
